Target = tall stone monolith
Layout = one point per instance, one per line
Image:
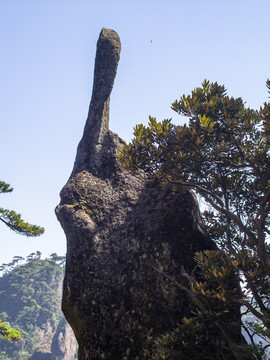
(117, 228)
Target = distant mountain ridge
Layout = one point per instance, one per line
(30, 301)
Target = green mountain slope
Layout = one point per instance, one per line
(30, 298)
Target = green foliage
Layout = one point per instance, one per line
(14, 221)
(223, 154)
(214, 291)
(190, 341)
(8, 332)
(60, 260)
(29, 300)
(4, 187)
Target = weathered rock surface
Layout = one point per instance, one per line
(61, 344)
(117, 229)
(56, 342)
(64, 345)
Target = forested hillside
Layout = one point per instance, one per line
(30, 301)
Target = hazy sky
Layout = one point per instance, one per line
(47, 62)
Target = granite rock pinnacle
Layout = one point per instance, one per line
(118, 228)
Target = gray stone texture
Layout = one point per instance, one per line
(117, 228)
(97, 124)
(64, 345)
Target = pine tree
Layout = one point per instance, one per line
(14, 221)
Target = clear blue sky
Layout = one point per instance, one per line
(46, 72)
